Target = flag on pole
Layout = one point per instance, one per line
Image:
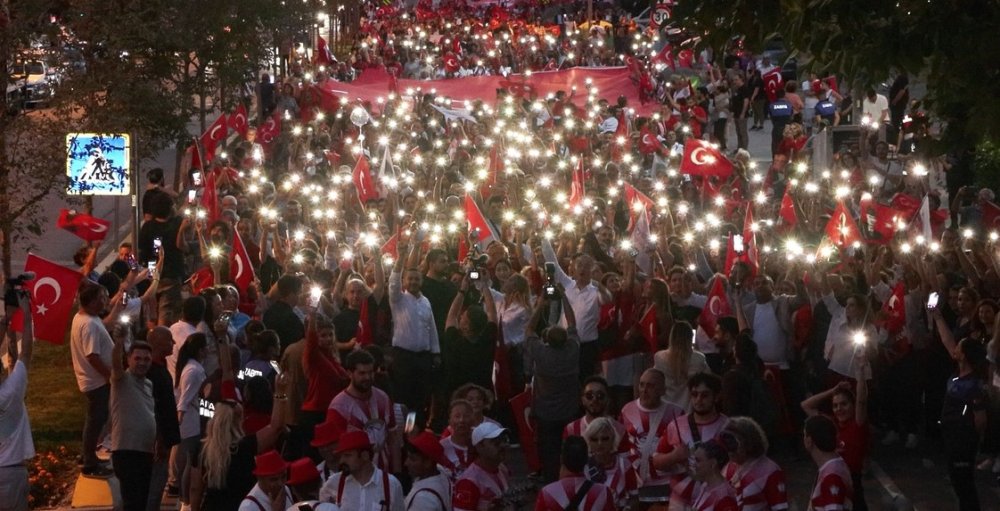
(52, 294)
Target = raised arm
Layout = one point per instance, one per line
(118, 335)
(947, 337)
(490, 305)
(455, 311)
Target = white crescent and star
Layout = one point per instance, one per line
(715, 305)
(96, 227)
(701, 156)
(239, 266)
(215, 129)
(40, 283)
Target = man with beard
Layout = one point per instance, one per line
(363, 407)
(702, 424)
(595, 400)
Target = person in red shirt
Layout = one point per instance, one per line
(833, 490)
(326, 377)
(712, 492)
(850, 414)
(484, 483)
(573, 490)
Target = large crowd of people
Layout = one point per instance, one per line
(368, 307)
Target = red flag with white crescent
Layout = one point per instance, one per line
(52, 294)
(520, 406)
(363, 180)
(787, 212)
(649, 143)
(85, 227)
(238, 121)
(772, 82)
(241, 271)
(650, 329)
(703, 159)
(576, 191)
(716, 307)
(216, 133)
(210, 198)
(202, 279)
(841, 229)
(496, 165)
(268, 132)
(391, 246)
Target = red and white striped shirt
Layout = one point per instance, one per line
(679, 433)
(645, 428)
(478, 488)
(759, 485)
(621, 478)
(720, 497)
(833, 490)
(373, 416)
(557, 496)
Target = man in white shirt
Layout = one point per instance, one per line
(416, 350)
(270, 492)
(363, 486)
(431, 489)
(876, 107)
(90, 346)
(16, 444)
(585, 298)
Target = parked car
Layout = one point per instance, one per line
(34, 79)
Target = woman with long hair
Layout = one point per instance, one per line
(225, 474)
(713, 491)
(607, 465)
(189, 380)
(513, 313)
(754, 476)
(679, 362)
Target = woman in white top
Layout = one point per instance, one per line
(187, 389)
(513, 312)
(679, 362)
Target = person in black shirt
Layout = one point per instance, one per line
(757, 97)
(739, 105)
(469, 341)
(963, 414)
(168, 229)
(155, 187)
(280, 316)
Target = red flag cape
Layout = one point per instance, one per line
(241, 271)
(716, 307)
(787, 211)
(521, 408)
(703, 159)
(85, 227)
(52, 294)
(650, 329)
(772, 82)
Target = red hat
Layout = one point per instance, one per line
(268, 464)
(302, 471)
(353, 440)
(427, 443)
(328, 432)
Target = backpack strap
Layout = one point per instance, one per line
(580, 495)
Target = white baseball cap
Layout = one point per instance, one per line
(486, 430)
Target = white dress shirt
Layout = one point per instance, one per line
(369, 496)
(586, 301)
(430, 494)
(413, 327)
(261, 502)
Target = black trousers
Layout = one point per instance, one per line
(858, 481)
(961, 442)
(93, 426)
(550, 447)
(133, 469)
(589, 352)
(411, 380)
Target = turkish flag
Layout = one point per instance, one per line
(632, 195)
(323, 55)
(520, 406)
(240, 268)
(772, 83)
(716, 307)
(732, 256)
(703, 159)
(906, 204)
(238, 121)
(451, 63)
(391, 246)
(894, 309)
(621, 143)
(841, 229)
(478, 223)
(576, 191)
(363, 180)
(664, 56)
(52, 294)
(991, 216)
(685, 58)
(649, 143)
(85, 227)
(787, 211)
(210, 198)
(882, 221)
(517, 89)
(750, 240)
(210, 139)
(269, 131)
(650, 329)
(202, 279)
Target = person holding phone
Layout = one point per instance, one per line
(18, 446)
(170, 229)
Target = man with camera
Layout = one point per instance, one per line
(552, 364)
(16, 444)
